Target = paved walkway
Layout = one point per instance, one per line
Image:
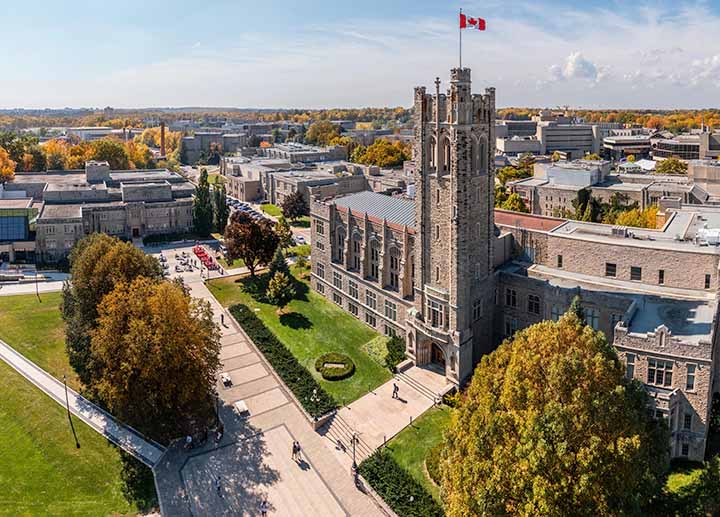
(125, 437)
(253, 460)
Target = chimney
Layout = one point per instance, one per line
(162, 139)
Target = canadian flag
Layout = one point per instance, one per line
(469, 22)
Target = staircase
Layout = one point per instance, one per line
(417, 386)
(340, 433)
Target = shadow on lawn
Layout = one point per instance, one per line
(295, 320)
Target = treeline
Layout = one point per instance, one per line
(22, 152)
(675, 121)
(137, 119)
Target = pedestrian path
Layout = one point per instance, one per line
(125, 437)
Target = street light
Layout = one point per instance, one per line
(67, 405)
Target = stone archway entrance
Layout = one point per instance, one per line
(437, 356)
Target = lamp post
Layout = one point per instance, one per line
(67, 406)
(354, 441)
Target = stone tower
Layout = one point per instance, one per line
(454, 148)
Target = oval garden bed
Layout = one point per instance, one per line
(334, 366)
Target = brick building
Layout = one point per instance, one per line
(455, 277)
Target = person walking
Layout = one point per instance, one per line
(298, 453)
(264, 507)
(395, 391)
(218, 486)
(222, 318)
(294, 451)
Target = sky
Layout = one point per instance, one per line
(321, 54)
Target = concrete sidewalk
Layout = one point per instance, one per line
(125, 437)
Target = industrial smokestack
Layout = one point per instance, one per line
(162, 139)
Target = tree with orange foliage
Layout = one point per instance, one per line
(7, 167)
(655, 122)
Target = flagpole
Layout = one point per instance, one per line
(460, 34)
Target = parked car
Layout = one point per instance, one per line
(299, 239)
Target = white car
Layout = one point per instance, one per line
(299, 239)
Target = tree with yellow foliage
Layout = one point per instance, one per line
(157, 351)
(7, 167)
(550, 425)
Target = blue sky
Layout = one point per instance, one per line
(327, 54)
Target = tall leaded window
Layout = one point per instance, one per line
(435, 313)
(374, 260)
(356, 253)
(340, 250)
(394, 268)
(659, 372)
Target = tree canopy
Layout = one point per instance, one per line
(671, 166)
(221, 210)
(294, 206)
(7, 166)
(252, 241)
(382, 153)
(98, 263)
(158, 351)
(321, 132)
(549, 425)
(515, 203)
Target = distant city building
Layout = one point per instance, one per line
(201, 143)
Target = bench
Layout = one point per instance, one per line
(226, 380)
(240, 407)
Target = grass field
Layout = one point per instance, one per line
(215, 179)
(41, 471)
(311, 326)
(35, 329)
(412, 444)
(271, 209)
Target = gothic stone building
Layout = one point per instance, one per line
(454, 277)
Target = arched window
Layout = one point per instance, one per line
(483, 155)
(433, 153)
(374, 259)
(474, 155)
(447, 156)
(356, 251)
(340, 249)
(394, 268)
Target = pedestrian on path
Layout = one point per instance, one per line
(264, 507)
(298, 453)
(395, 391)
(222, 319)
(294, 451)
(218, 486)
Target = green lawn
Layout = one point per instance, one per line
(41, 471)
(682, 477)
(412, 444)
(235, 263)
(271, 209)
(311, 326)
(35, 329)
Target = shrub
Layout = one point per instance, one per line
(311, 395)
(432, 463)
(452, 398)
(396, 352)
(397, 487)
(335, 374)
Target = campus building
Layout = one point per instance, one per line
(127, 204)
(454, 276)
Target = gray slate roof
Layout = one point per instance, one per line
(395, 210)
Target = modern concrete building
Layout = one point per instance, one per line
(301, 153)
(201, 143)
(455, 277)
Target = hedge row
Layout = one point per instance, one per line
(335, 374)
(397, 487)
(295, 375)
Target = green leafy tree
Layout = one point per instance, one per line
(111, 151)
(280, 290)
(382, 153)
(252, 241)
(279, 264)
(158, 351)
(576, 308)
(221, 210)
(501, 195)
(510, 173)
(515, 203)
(555, 157)
(671, 166)
(202, 206)
(294, 206)
(284, 232)
(97, 264)
(550, 425)
(277, 136)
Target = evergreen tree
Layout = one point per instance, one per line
(221, 210)
(202, 206)
(280, 290)
(284, 232)
(279, 264)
